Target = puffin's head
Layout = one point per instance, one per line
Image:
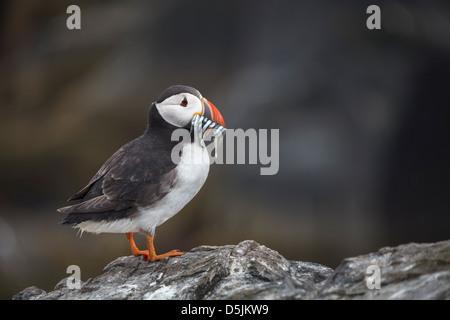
(178, 104)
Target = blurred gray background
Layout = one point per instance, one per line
(363, 119)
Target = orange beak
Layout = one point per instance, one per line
(211, 112)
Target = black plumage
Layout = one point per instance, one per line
(137, 175)
(175, 90)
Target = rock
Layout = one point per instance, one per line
(249, 270)
(30, 293)
(410, 271)
(244, 271)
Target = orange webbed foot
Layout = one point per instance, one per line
(173, 253)
(150, 254)
(134, 249)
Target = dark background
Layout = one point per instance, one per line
(363, 119)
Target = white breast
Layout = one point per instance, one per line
(192, 172)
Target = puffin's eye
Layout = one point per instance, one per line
(184, 103)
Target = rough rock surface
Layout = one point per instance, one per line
(244, 271)
(409, 271)
(249, 270)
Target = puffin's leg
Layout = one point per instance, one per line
(136, 252)
(152, 256)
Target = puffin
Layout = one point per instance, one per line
(140, 186)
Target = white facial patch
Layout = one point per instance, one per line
(174, 113)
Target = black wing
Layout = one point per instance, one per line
(137, 175)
